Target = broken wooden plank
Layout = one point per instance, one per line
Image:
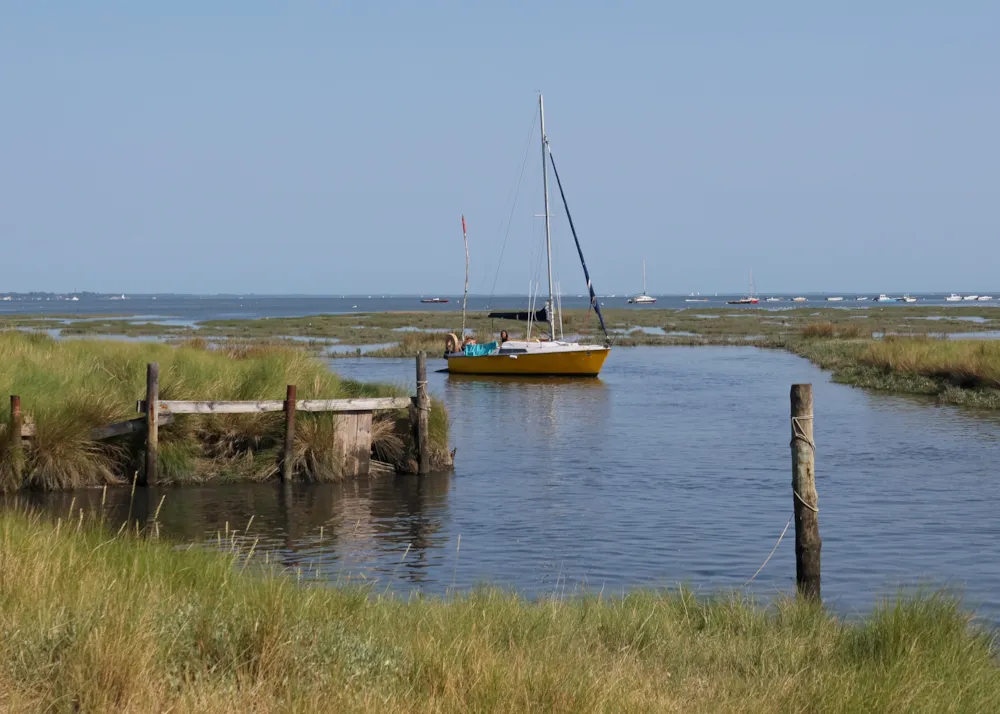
(276, 405)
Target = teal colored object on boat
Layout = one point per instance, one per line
(480, 350)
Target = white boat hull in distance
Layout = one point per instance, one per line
(953, 298)
(984, 298)
(834, 299)
(971, 297)
(641, 300)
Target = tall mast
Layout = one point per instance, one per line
(548, 226)
(643, 276)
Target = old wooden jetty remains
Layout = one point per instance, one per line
(352, 435)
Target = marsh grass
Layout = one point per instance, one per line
(968, 364)
(96, 622)
(829, 330)
(69, 387)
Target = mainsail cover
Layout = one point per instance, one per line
(536, 316)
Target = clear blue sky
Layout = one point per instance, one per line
(324, 148)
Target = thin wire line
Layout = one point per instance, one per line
(510, 217)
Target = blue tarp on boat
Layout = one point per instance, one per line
(480, 350)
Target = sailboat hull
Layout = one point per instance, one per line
(576, 363)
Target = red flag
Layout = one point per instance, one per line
(463, 223)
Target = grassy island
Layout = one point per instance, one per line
(69, 387)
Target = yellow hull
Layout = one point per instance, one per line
(582, 363)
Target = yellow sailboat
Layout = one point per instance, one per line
(541, 356)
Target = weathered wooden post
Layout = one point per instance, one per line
(16, 445)
(804, 496)
(288, 461)
(152, 421)
(423, 416)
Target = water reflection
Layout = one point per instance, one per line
(363, 527)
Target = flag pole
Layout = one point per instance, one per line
(465, 295)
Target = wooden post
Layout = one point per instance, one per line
(804, 496)
(288, 461)
(16, 445)
(152, 421)
(423, 416)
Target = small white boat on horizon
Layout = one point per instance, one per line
(834, 299)
(643, 299)
(953, 298)
(860, 298)
(774, 299)
(799, 299)
(983, 298)
(970, 297)
(907, 298)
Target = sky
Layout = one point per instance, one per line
(331, 148)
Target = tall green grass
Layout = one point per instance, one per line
(970, 364)
(69, 387)
(92, 622)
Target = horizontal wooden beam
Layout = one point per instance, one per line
(122, 428)
(277, 405)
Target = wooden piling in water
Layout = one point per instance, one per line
(804, 496)
(423, 416)
(152, 421)
(288, 459)
(16, 444)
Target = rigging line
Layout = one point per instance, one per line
(510, 217)
(586, 273)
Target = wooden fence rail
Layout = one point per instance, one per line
(353, 436)
(168, 406)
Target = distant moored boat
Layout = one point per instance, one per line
(953, 298)
(750, 299)
(834, 299)
(435, 300)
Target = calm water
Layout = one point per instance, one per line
(673, 467)
(187, 309)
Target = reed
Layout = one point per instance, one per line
(69, 387)
(96, 622)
